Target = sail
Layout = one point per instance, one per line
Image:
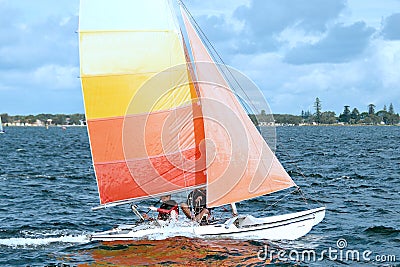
(141, 108)
(1, 125)
(240, 165)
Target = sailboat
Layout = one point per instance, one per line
(1, 126)
(162, 119)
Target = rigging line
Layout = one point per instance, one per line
(303, 195)
(154, 204)
(134, 210)
(202, 34)
(283, 197)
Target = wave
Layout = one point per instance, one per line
(381, 230)
(21, 242)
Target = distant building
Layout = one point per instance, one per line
(38, 123)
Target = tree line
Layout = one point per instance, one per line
(353, 116)
(385, 116)
(46, 119)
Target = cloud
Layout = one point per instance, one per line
(341, 44)
(51, 41)
(391, 27)
(372, 77)
(271, 17)
(216, 27)
(218, 24)
(9, 26)
(47, 77)
(39, 56)
(49, 88)
(385, 65)
(254, 27)
(296, 51)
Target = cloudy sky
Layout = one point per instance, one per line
(344, 52)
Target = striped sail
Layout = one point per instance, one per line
(240, 165)
(144, 119)
(152, 129)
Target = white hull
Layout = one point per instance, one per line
(289, 226)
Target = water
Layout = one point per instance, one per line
(48, 188)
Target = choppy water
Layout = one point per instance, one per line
(48, 188)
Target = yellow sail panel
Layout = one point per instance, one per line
(114, 67)
(134, 93)
(164, 91)
(240, 164)
(101, 92)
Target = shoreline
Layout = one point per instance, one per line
(43, 126)
(276, 125)
(336, 125)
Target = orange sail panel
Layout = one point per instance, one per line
(240, 165)
(140, 104)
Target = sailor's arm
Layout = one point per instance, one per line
(234, 210)
(174, 208)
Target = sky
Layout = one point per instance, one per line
(345, 52)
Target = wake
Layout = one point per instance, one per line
(21, 242)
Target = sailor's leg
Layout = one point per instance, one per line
(186, 210)
(204, 213)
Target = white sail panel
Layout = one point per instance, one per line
(105, 15)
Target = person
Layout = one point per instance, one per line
(196, 203)
(167, 211)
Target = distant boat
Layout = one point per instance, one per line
(150, 118)
(1, 127)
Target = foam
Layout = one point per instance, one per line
(34, 242)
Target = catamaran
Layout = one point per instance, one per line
(162, 119)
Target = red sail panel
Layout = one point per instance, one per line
(151, 154)
(240, 165)
(157, 171)
(161, 151)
